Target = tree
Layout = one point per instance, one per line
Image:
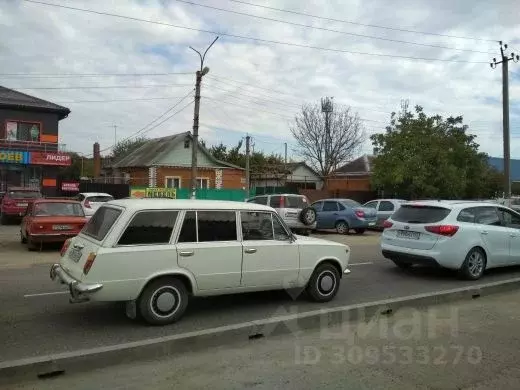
(346, 137)
(430, 157)
(126, 146)
(74, 171)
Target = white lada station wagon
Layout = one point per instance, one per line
(154, 254)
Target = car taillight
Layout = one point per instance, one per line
(282, 202)
(89, 262)
(443, 230)
(65, 246)
(360, 213)
(87, 204)
(8, 202)
(387, 224)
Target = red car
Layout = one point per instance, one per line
(15, 202)
(51, 220)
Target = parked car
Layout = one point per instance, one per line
(294, 210)
(15, 202)
(465, 236)
(91, 201)
(343, 215)
(384, 208)
(154, 254)
(51, 220)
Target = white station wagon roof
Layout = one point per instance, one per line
(154, 203)
(451, 204)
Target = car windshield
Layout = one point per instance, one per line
(24, 194)
(350, 203)
(58, 209)
(100, 198)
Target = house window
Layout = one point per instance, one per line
(22, 131)
(202, 182)
(172, 182)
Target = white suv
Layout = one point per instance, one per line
(293, 208)
(461, 235)
(91, 201)
(154, 254)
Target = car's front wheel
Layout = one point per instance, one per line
(342, 227)
(324, 283)
(163, 301)
(359, 231)
(474, 265)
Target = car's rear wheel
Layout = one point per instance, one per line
(359, 231)
(31, 245)
(342, 227)
(23, 240)
(163, 301)
(474, 265)
(324, 283)
(308, 216)
(3, 219)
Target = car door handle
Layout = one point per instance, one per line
(186, 253)
(250, 250)
(484, 232)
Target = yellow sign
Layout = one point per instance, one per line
(137, 193)
(7, 156)
(160, 193)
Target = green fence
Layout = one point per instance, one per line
(203, 193)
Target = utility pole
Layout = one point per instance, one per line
(505, 113)
(248, 144)
(195, 142)
(327, 107)
(285, 159)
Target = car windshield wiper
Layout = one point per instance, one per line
(414, 221)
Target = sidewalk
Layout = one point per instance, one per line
(471, 345)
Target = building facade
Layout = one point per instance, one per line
(166, 163)
(30, 154)
(296, 175)
(353, 176)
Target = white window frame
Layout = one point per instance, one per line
(199, 182)
(173, 178)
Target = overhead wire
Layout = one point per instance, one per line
(255, 39)
(106, 86)
(329, 29)
(79, 75)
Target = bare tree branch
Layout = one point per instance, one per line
(346, 137)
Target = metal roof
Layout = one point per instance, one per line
(9, 98)
(151, 152)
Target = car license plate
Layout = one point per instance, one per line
(22, 204)
(75, 255)
(407, 234)
(371, 224)
(61, 227)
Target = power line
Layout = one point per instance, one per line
(254, 38)
(144, 129)
(116, 100)
(249, 107)
(330, 30)
(362, 24)
(108, 86)
(78, 75)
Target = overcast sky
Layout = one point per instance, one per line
(257, 87)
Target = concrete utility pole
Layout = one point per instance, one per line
(327, 107)
(248, 186)
(285, 159)
(195, 143)
(505, 113)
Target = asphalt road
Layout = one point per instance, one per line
(37, 319)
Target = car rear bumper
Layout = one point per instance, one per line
(410, 258)
(363, 223)
(52, 237)
(79, 292)
(447, 257)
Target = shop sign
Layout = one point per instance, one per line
(160, 193)
(14, 157)
(70, 186)
(46, 158)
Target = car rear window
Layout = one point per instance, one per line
(295, 202)
(58, 209)
(24, 194)
(101, 222)
(420, 214)
(99, 199)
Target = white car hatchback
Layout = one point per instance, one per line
(91, 201)
(154, 254)
(466, 236)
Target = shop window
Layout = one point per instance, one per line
(23, 131)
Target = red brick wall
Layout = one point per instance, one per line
(353, 183)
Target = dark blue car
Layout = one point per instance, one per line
(343, 215)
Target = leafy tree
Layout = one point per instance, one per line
(126, 146)
(346, 137)
(430, 157)
(80, 166)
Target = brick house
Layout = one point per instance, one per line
(30, 154)
(166, 163)
(353, 176)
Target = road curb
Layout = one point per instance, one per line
(286, 322)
